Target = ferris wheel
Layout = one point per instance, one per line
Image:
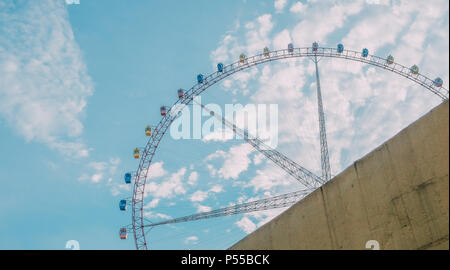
(140, 225)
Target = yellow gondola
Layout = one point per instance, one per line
(266, 52)
(148, 131)
(414, 69)
(242, 58)
(137, 153)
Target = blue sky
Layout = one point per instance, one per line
(79, 83)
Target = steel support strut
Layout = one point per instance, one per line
(304, 176)
(324, 158)
(279, 201)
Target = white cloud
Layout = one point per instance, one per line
(279, 5)
(51, 165)
(156, 170)
(246, 225)
(168, 187)
(193, 177)
(114, 161)
(236, 161)
(191, 240)
(83, 177)
(321, 19)
(229, 49)
(44, 83)
(258, 158)
(219, 135)
(257, 37)
(367, 32)
(262, 217)
(117, 189)
(281, 40)
(271, 177)
(198, 196)
(221, 54)
(100, 170)
(97, 177)
(212, 170)
(240, 80)
(241, 199)
(156, 215)
(253, 220)
(217, 154)
(298, 7)
(152, 204)
(216, 189)
(98, 166)
(202, 208)
(70, 149)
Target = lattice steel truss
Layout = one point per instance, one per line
(258, 205)
(150, 149)
(324, 158)
(304, 176)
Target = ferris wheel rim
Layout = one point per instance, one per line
(228, 70)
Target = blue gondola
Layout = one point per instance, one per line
(315, 46)
(438, 82)
(200, 78)
(414, 69)
(290, 47)
(365, 52)
(220, 67)
(266, 52)
(340, 48)
(123, 205)
(127, 178)
(180, 93)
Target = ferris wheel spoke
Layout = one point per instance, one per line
(278, 201)
(304, 176)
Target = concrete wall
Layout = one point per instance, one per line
(398, 195)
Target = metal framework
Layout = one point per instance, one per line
(258, 205)
(304, 176)
(161, 128)
(324, 158)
